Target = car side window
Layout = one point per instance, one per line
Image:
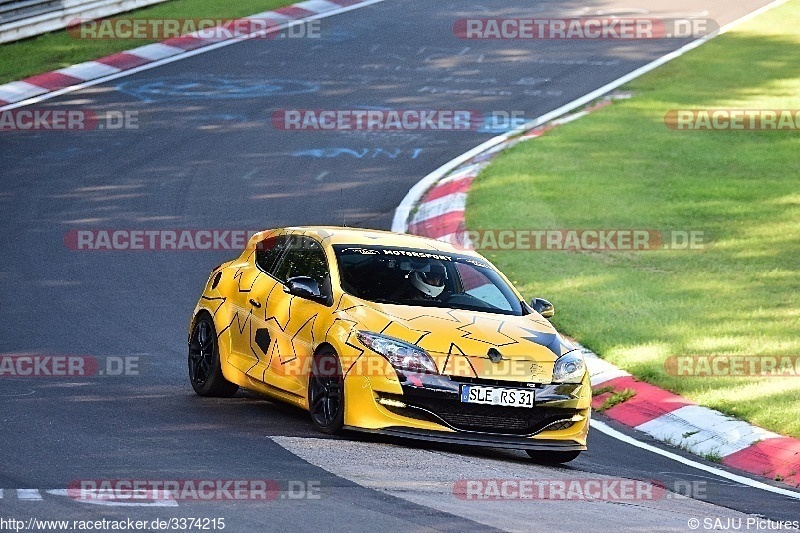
(304, 257)
(476, 284)
(269, 251)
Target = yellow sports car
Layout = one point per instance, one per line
(401, 335)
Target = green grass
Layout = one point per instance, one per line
(602, 390)
(616, 398)
(621, 167)
(58, 49)
(716, 457)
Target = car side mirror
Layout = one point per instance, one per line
(305, 287)
(543, 307)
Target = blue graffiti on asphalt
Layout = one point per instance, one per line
(212, 88)
(360, 153)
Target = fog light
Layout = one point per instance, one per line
(391, 403)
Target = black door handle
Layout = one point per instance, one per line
(255, 304)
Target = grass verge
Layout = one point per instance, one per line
(58, 49)
(621, 167)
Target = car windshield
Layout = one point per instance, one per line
(406, 276)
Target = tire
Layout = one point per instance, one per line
(205, 373)
(326, 392)
(553, 458)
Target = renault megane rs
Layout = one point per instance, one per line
(396, 334)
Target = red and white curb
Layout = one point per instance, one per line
(77, 76)
(677, 421)
(439, 214)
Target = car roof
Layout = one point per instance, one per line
(366, 237)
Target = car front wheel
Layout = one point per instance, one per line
(326, 392)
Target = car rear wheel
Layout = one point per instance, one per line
(552, 458)
(326, 392)
(205, 372)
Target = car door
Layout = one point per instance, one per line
(250, 333)
(291, 320)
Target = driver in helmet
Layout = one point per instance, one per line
(425, 283)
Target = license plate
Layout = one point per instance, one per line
(502, 396)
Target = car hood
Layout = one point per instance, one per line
(468, 343)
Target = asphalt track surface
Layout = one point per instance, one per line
(206, 156)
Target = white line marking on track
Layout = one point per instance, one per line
(29, 494)
(613, 433)
(103, 497)
(429, 478)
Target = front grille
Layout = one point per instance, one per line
(487, 418)
(490, 382)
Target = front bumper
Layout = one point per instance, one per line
(428, 407)
(468, 439)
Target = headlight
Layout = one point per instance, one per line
(400, 354)
(569, 368)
